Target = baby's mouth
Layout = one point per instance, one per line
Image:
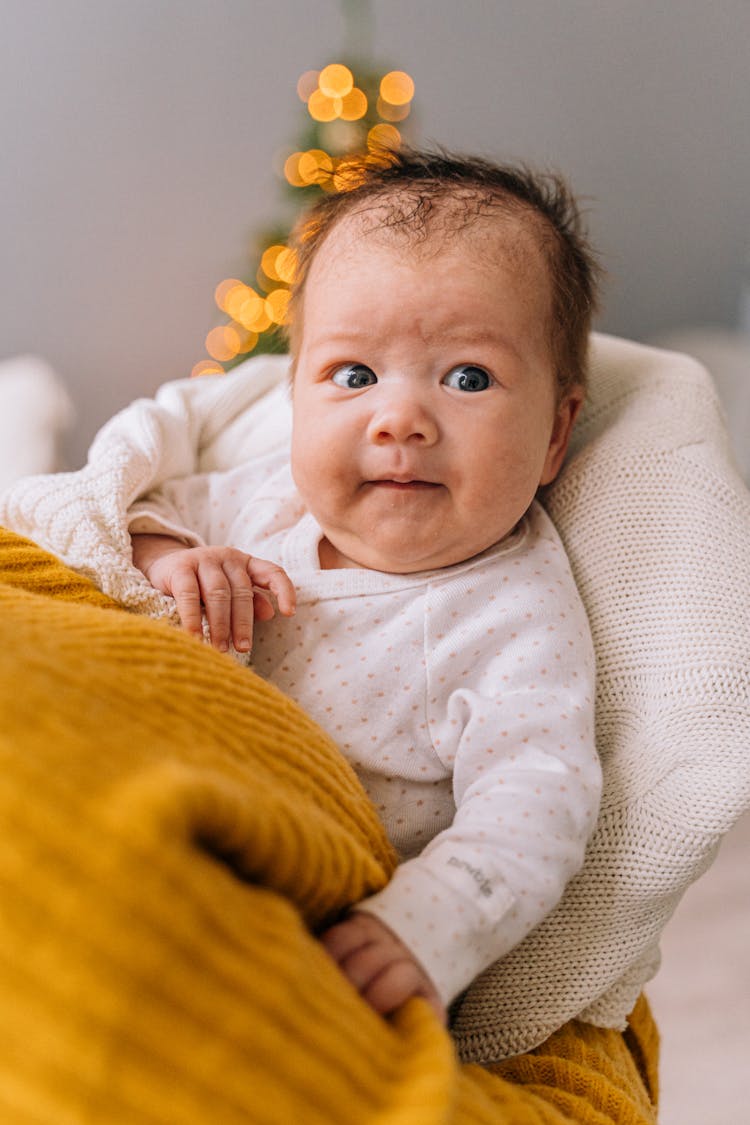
(405, 485)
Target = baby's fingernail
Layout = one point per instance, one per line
(223, 646)
(243, 645)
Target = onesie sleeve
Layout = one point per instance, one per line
(510, 711)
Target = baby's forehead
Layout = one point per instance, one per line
(465, 225)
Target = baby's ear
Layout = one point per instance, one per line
(565, 416)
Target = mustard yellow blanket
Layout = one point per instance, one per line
(173, 832)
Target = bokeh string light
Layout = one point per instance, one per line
(354, 115)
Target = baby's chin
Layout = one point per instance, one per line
(404, 558)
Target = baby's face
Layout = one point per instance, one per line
(425, 409)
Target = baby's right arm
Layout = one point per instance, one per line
(232, 587)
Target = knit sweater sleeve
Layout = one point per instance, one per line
(191, 424)
(510, 711)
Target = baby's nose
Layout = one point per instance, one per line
(403, 418)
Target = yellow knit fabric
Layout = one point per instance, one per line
(173, 832)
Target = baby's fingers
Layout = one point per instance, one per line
(186, 592)
(397, 983)
(243, 604)
(269, 576)
(347, 937)
(217, 601)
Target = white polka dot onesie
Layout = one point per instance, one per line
(463, 697)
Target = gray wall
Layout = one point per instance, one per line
(137, 139)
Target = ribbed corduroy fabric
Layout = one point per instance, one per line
(174, 830)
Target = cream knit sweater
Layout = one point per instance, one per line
(656, 522)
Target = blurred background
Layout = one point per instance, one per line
(144, 144)
(141, 142)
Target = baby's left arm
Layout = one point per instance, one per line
(510, 712)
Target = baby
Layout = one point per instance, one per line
(428, 618)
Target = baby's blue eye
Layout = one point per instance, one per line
(353, 376)
(468, 378)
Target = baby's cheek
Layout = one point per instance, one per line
(303, 464)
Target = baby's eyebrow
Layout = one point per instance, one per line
(341, 344)
(456, 331)
(346, 334)
(461, 337)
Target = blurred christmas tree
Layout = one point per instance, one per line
(354, 111)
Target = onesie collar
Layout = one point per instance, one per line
(302, 563)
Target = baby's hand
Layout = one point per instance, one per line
(382, 969)
(228, 584)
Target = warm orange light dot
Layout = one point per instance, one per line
(325, 163)
(392, 112)
(207, 367)
(268, 261)
(308, 168)
(306, 83)
(236, 298)
(314, 166)
(246, 339)
(336, 80)
(397, 87)
(250, 311)
(291, 170)
(222, 291)
(222, 343)
(354, 105)
(277, 302)
(383, 136)
(286, 265)
(257, 319)
(321, 107)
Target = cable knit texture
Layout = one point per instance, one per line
(656, 522)
(173, 830)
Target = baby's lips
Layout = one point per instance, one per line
(410, 482)
(403, 474)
